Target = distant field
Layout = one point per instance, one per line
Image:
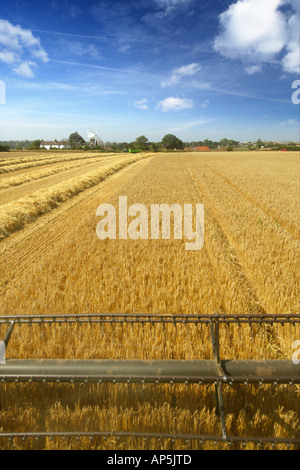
(52, 262)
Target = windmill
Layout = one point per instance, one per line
(94, 138)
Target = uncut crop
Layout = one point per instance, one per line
(248, 265)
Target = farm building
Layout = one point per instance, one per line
(55, 145)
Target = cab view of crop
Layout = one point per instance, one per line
(53, 263)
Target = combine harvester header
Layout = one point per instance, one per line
(217, 371)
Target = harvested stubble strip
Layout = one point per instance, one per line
(29, 159)
(47, 156)
(46, 161)
(43, 173)
(15, 215)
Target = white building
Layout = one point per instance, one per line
(64, 144)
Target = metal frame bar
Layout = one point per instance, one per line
(8, 333)
(150, 318)
(214, 331)
(143, 435)
(148, 371)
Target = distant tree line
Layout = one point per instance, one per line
(4, 148)
(15, 144)
(168, 142)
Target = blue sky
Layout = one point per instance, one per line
(196, 69)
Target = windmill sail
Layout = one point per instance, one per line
(93, 138)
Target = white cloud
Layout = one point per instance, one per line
(169, 5)
(124, 48)
(252, 27)
(74, 11)
(205, 104)
(258, 30)
(289, 122)
(188, 125)
(15, 43)
(291, 60)
(252, 69)
(81, 49)
(184, 71)
(25, 69)
(141, 104)
(175, 104)
(40, 54)
(8, 57)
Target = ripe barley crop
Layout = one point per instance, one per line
(248, 264)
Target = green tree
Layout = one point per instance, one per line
(141, 143)
(211, 144)
(76, 140)
(224, 142)
(123, 146)
(259, 144)
(35, 145)
(155, 147)
(171, 142)
(229, 143)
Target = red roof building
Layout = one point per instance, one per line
(202, 149)
(197, 149)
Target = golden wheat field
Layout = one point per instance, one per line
(52, 262)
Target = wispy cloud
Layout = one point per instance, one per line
(258, 30)
(83, 88)
(188, 125)
(18, 45)
(66, 9)
(69, 115)
(94, 66)
(180, 72)
(124, 48)
(141, 104)
(205, 104)
(252, 69)
(167, 6)
(79, 48)
(289, 122)
(60, 33)
(247, 95)
(210, 88)
(175, 104)
(8, 57)
(74, 11)
(25, 69)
